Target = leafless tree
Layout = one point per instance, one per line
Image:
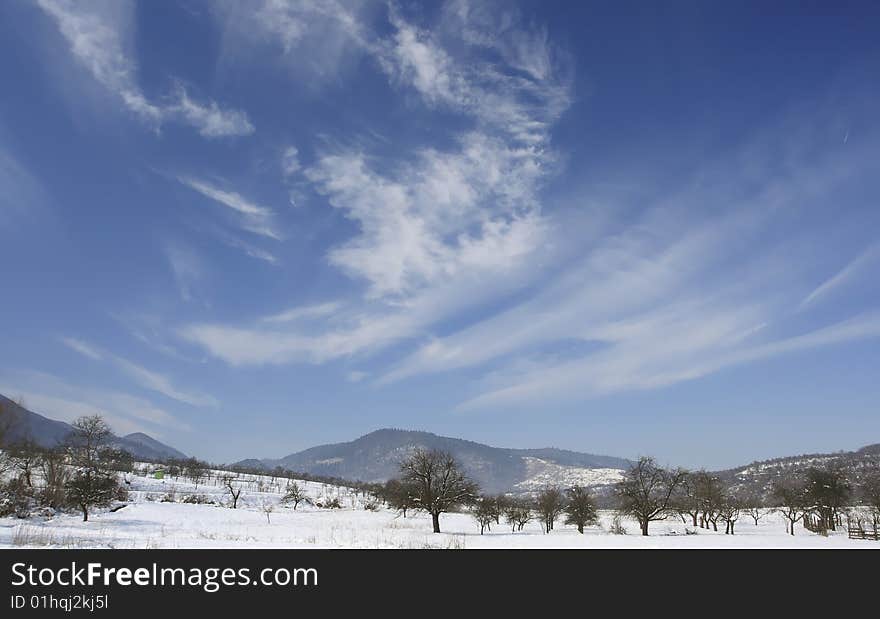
(56, 475)
(826, 492)
(294, 494)
(753, 504)
(729, 512)
(710, 498)
(92, 484)
(549, 504)
(437, 483)
(517, 513)
(646, 491)
(267, 507)
(484, 513)
(25, 457)
(196, 470)
(398, 496)
(232, 490)
(869, 492)
(580, 509)
(790, 495)
(686, 499)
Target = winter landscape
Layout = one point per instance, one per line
(439, 274)
(826, 501)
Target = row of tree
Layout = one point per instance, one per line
(432, 481)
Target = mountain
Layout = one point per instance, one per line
(759, 477)
(25, 424)
(374, 457)
(140, 444)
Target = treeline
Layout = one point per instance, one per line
(431, 481)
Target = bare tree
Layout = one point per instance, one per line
(549, 504)
(24, 457)
(710, 498)
(484, 512)
(646, 491)
(869, 492)
(792, 500)
(580, 509)
(826, 491)
(267, 507)
(92, 484)
(398, 496)
(729, 511)
(295, 494)
(437, 483)
(233, 491)
(56, 475)
(686, 499)
(196, 470)
(517, 514)
(754, 506)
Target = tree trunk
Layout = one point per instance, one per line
(580, 528)
(435, 519)
(695, 519)
(85, 513)
(644, 525)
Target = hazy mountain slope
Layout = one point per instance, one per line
(375, 457)
(28, 425)
(758, 477)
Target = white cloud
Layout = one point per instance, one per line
(620, 369)
(148, 379)
(249, 250)
(252, 217)
(50, 396)
(211, 120)
(82, 348)
(473, 208)
(315, 38)
(160, 383)
(187, 269)
(99, 36)
(840, 278)
(290, 161)
(308, 311)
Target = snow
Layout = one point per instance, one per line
(542, 473)
(145, 522)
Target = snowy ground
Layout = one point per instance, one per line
(148, 523)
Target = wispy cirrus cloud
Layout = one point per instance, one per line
(841, 278)
(99, 35)
(463, 267)
(187, 268)
(82, 348)
(55, 398)
(148, 379)
(252, 217)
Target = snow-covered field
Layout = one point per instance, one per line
(147, 522)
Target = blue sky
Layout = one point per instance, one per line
(250, 227)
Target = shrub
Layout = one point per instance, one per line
(16, 498)
(617, 527)
(197, 499)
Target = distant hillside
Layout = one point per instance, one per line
(375, 458)
(28, 425)
(759, 476)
